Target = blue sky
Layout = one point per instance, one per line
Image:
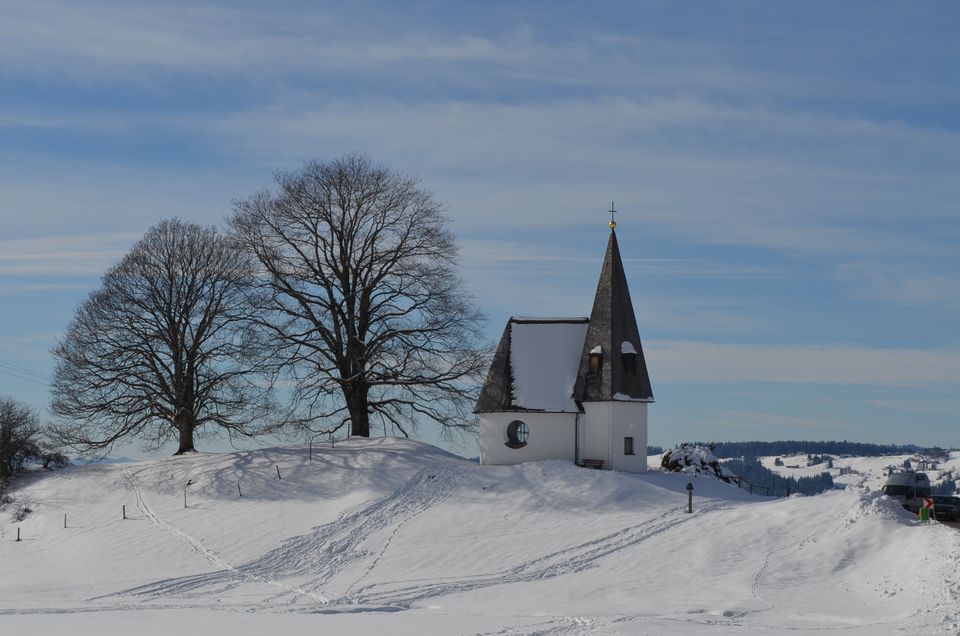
(786, 175)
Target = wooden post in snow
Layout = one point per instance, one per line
(239, 492)
(124, 511)
(278, 473)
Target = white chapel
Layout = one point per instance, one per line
(571, 388)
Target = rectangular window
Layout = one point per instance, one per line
(628, 446)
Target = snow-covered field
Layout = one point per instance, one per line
(388, 537)
(867, 472)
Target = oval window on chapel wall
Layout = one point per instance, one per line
(517, 433)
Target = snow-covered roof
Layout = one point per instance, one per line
(627, 348)
(544, 358)
(535, 366)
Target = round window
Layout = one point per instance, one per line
(517, 433)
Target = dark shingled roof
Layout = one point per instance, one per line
(612, 323)
(497, 392)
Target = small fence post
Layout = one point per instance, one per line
(18, 533)
(689, 497)
(278, 473)
(124, 511)
(331, 439)
(310, 456)
(239, 492)
(64, 520)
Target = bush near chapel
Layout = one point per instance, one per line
(694, 460)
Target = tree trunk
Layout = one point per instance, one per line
(359, 411)
(185, 425)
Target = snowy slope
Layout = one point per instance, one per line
(389, 536)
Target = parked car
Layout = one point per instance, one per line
(908, 487)
(946, 508)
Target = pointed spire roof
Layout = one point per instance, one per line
(613, 333)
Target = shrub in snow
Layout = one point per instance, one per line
(23, 441)
(813, 460)
(694, 460)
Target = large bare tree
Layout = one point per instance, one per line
(165, 348)
(369, 317)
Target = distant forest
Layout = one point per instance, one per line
(749, 450)
(770, 483)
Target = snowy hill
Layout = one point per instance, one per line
(869, 473)
(388, 536)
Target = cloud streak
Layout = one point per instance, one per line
(692, 361)
(77, 255)
(753, 190)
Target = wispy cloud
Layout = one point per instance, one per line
(901, 284)
(752, 421)
(939, 406)
(705, 150)
(75, 255)
(204, 38)
(34, 287)
(759, 187)
(691, 361)
(491, 254)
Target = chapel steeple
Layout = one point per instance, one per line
(612, 366)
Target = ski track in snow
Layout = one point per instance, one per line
(560, 626)
(320, 554)
(331, 548)
(225, 569)
(570, 560)
(768, 559)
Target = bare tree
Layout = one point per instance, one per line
(164, 348)
(369, 318)
(20, 433)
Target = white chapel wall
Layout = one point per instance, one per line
(551, 436)
(604, 425)
(595, 432)
(628, 419)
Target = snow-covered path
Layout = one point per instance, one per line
(392, 537)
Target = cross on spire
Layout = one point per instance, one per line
(613, 222)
